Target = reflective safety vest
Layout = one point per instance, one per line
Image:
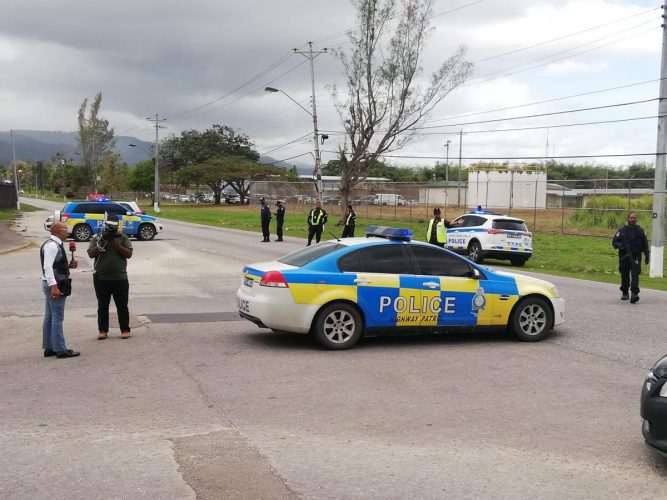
(440, 231)
(316, 216)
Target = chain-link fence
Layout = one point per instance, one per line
(587, 207)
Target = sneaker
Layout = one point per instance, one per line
(125, 335)
(101, 335)
(625, 296)
(634, 298)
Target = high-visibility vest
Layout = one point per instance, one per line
(440, 231)
(316, 218)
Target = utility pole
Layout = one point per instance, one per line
(447, 175)
(16, 174)
(156, 195)
(311, 55)
(658, 227)
(458, 196)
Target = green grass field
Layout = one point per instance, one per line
(584, 257)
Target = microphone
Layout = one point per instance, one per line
(72, 248)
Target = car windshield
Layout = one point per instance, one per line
(309, 254)
(512, 225)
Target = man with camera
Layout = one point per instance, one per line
(111, 249)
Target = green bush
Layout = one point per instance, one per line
(611, 212)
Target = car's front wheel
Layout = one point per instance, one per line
(146, 232)
(532, 319)
(82, 232)
(475, 252)
(338, 326)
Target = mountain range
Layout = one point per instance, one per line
(42, 145)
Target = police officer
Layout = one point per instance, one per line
(349, 222)
(280, 218)
(437, 229)
(631, 242)
(317, 218)
(265, 217)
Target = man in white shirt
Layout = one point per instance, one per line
(55, 268)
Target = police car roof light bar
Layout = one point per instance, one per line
(391, 233)
(482, 212)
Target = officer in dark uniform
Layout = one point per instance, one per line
(349, 222)
(265, 217)
(317, 218)
(631, 242)
(280, 218)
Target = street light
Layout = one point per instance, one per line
(318, 160)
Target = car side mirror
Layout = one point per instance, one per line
(128, 213)
(476, 274)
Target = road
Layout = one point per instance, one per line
(199, 404)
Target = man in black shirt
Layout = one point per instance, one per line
(631, 242)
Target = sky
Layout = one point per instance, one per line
(205, 62)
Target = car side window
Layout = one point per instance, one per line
(81, 208)
(350, 263)
(436, 262)
(456, 223)
(387, 259)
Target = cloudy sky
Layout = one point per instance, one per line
(202, 62)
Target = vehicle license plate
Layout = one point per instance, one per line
(513, 236)
(248, 281)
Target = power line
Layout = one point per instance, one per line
(286, 144)
(538, 115)
(544, 102)
(545, 126)
(514, 157)
(566, 36)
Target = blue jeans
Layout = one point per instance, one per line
(52, 328)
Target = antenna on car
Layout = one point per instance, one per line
(335, 237)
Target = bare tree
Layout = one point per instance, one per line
(96, 139)
(384, 102)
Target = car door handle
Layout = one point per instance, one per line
(431, 284)
(361, 281)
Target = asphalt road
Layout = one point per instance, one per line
(199, 404)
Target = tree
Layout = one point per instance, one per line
(229, 171)
(383, 103)
(113, 174)
(194, 147)
(96, 139)
(142, 176)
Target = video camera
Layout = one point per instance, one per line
(109, 227)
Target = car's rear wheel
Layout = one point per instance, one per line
(338, 326)
(518, 261)
(532, 320)
(82, 232)
(475, 251)
(146, 232)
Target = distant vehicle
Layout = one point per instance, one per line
(184, 198)
(97, 197)
(389, 199)
(208, 198)
(85, 218)
(480, 233)
(131, 206)
(232, 198)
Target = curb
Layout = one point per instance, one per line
(14, 248)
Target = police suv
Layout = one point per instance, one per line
(85, 218)
(386, 283)
(481, 233)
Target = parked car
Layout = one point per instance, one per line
(389, 199)
(85, 218)
(480, 233)
(132, 206)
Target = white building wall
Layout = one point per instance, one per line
(507, 188)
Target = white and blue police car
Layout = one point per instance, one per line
(340, 290)
(481, 233)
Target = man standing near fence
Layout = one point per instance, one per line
(280, 219)
(317, 218)
(631, 242)
(265, 219)
(349, 222)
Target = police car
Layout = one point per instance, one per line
(480, 233)
(85, 218)
(340, 290)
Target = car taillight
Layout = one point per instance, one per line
(274, 279)
(495, 231)
(64, 217)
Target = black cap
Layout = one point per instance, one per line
(279, 202)
(262, 200)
